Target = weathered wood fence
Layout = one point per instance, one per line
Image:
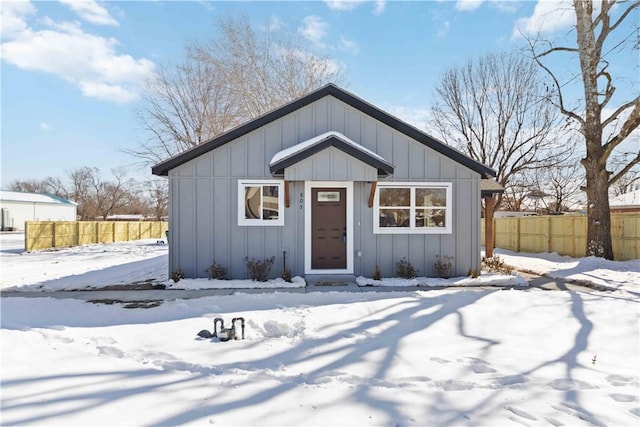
(564, 234)
(57, 234)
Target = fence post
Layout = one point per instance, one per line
(573, 237)
(549, 242)
(53, 231)
(27, 232)
(518, 220)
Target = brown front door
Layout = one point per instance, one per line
(329, 228)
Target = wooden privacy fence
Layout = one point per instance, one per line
(58, 234)
(564, 234)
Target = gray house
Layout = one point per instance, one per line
(328, 184)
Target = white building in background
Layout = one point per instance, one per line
(628, 202)
(17, 207)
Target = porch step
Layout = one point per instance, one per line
(330, 280)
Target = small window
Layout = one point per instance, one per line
(328, 196)
(260, 203)
(412, 208)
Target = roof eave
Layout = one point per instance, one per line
(380, 165)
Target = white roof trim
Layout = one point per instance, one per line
(295, 149)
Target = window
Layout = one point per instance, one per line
(260, 203)
(412, 208)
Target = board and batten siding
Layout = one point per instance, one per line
(203, 213)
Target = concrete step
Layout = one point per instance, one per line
(330, 279)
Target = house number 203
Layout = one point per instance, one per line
(301, 201)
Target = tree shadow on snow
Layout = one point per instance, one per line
(380, 336)
(334, 355)
(570, 385)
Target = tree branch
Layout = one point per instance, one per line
(625, 170)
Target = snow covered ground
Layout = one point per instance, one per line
(97, 266)
(80, 267)
(460, 356)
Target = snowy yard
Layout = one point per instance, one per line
(481, 357)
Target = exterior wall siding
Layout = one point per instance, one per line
(204, 191)
(19, 212)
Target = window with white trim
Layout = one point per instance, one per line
(260, 202)
(412, 208)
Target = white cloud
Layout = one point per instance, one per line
(314, 28)
(207, 5)
(45, 126)
(504, 6)
(468, 5)
(349, 45)
(330, 66)
(90, 62)
(12, 17)
(417, 117)
(343, 4)
(548, 17)
(379, 7)
(90, 11)
(275, 24)
(106, 91)
(444, 29)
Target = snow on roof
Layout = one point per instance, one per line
(132, 217)
(288, 152)
(628, 199)
(17, 196)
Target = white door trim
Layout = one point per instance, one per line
(308, 185)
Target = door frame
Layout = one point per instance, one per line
(308, 185)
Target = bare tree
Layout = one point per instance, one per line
(515, 194)
(604, 120)
(241, 74)
(49, 185)
(495, 110)
(55, 186)
(97, 197)
(109, 196)
(29, 186)
(158, 198)
(184, 106)
(561, 185)
(629, 181)
(264, 69)
(80, 182)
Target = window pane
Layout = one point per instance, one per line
(270, 202)
(394, 218)
(328, 196)
(252, 202)
(430, 218)
(395, 197)
(431, 197)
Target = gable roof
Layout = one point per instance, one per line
(164, 167)
(19, 196)
(294, 154)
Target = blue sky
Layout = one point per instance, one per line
(72, 70)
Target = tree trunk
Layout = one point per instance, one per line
(595, 162)
(598, 212)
